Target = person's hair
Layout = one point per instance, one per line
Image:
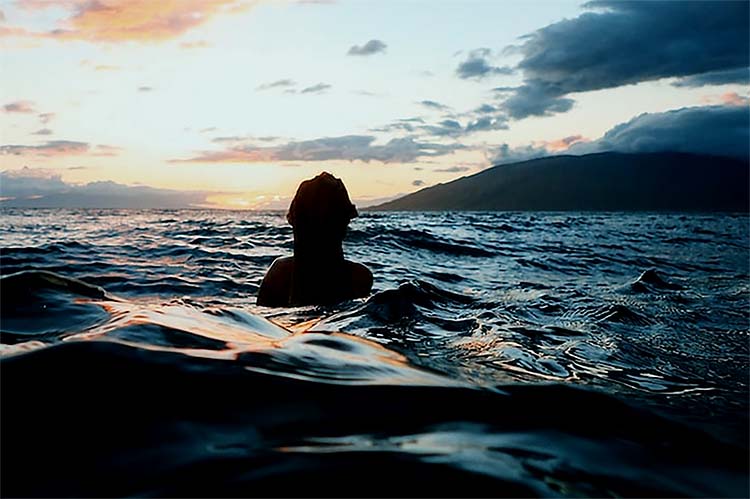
(319, 214)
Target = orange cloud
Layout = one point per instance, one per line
(126, 20)
(20, 106)
(727, 99)
(563, 144)
(734, 99)
(105, 150)
(232, 156)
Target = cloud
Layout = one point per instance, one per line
(145, 89)
(29, 187)
(739, 76)
(243, 139)
(418, 183)
(722, 130)
(198, 44)
(367, 93)
(486, 123)
(20, 106)
(452, 169)
(51, 148)
(369, 48)
(105, 150)
(477, 66)
(507, 154)
(446, 128)
(536, 98)
(130, 20)
(477, 123)
(276, 84)
(43, 131)
(431, 104)
(564, 143)
(316, 89)
(403, 124)
(344, 148)
(635, 42)
(734, 99)
(717, 130)
(46, 117)
(99, 67)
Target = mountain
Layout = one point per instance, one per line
(607, 181)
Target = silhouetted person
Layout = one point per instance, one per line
(317, 273)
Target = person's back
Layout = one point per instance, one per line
(318, 272)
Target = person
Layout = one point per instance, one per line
(318, 273)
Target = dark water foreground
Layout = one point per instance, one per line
(501, 355)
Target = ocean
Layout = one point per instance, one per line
(500, 354)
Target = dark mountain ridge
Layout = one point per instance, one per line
(609, 181)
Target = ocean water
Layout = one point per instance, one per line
(541, 354)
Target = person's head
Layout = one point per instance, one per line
(320, 212)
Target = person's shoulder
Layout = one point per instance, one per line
(282, 264)
(361, 279)
(274, 290)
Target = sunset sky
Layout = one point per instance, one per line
(242, 100)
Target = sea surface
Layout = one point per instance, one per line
(500, 354)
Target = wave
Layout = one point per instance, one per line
(160, 423)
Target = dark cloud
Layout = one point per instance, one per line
(477, 66)
(42, 188)
(20, 106)
(369, 48)
(404, 124)
(51, 148)
(316, 89)
(476, 123)
(43, 131)
(243, 139)
(145, 89)
(507, 154)
(634, 42)
(345, 148)
(46, 117)
(452, 169)
(446, 128)
(536, 98)
(486, 109)
(286, 83)
(717, 130)
(418, 183)
(740, 76)
(233, 139)
(431, 104)
(485, 123)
